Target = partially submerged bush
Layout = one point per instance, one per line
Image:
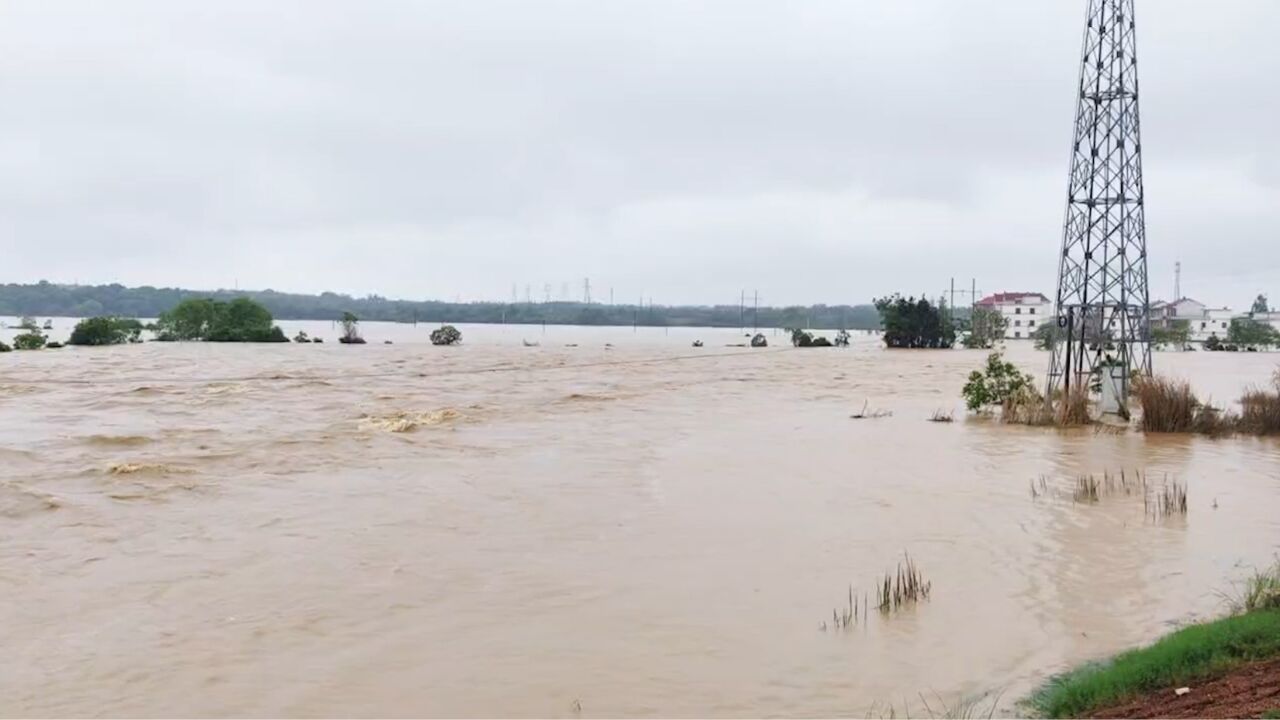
(446, 335)
(5, 348)
(800, 338)
(759, 341)
(30, 340)
(997, 383)
(842, 339)
(301, 337)
(107, 330)
(53, 346)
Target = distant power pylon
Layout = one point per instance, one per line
(586, 290)
(1102, 302)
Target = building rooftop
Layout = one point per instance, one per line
(1012, 297)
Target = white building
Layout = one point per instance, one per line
(1025, 312)
(1202, 320)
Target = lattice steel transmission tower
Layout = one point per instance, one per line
(1102, 302)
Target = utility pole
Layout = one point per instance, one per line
(546, 292)
(611, 295)
(742, 310)
(755, 314)
(586, 290)
(1177, 281)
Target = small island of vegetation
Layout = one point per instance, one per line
(240, 320)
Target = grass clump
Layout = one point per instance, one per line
(904, 587)
(1262, 591)
(1189, 655)
(1260, 411)
(1168, 405)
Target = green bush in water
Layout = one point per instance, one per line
(106, 331)
(447, 335)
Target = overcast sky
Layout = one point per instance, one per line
(817, 151)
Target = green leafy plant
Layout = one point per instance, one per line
(997, 383)
(5, 348)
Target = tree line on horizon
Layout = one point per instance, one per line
(52, 299)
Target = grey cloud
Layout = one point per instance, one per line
(821, 151)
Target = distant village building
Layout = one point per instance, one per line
(1025, 312)
(1202, 321)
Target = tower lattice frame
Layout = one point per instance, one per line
(1102, 302)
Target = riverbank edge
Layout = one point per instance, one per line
(1147, 676)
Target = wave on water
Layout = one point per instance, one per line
(145, 469)
(18, 501)
(7, 390)
(118, 440)
(405, 421)
(587, 398)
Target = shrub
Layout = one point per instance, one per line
(5, 348)
(30, 340)
(842, 339)
(446, 335)
(53, 346)
(1213, 344)
(998, 382)
(301, 337)
(759, 341)
(800, 338)
(105, 331)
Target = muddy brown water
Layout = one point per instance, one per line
(638, 530)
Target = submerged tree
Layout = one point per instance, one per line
(1178, 334)
(106, 331)
(241, 320)
(446, 335)
(350, 330)
(987, 327)
(1260, 305)
(912, 323)
(1048, 335)
(30, 340)
(1248, 332)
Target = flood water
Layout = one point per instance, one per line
(646, 529)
